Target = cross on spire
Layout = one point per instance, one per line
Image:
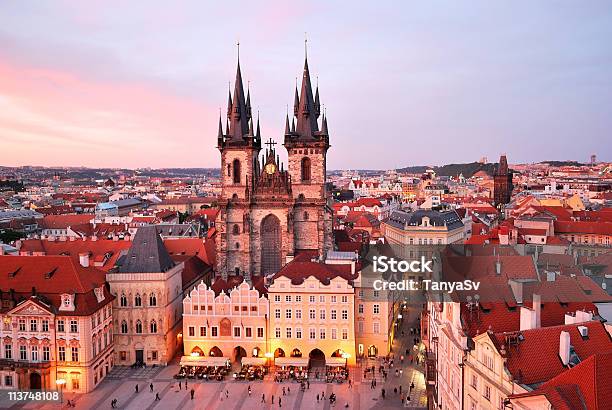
(238, 47)
(305, 44)
(270, 144)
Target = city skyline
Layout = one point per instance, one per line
(143, 88)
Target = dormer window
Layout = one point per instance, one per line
(67, 301)
(99, 292)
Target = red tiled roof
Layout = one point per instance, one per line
(532, 231)
(535, 359)
(53, 276)
(222, 285)
(301, 268)
(64, 221)
(583, 227)
(585, 386)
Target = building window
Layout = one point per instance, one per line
(138, 326)
(376, 309)
(260, 332)
(236, 171)
(322, 299)
(191, 331)
(289, 333)
(123, 355)
(33, 325)
(474, 382)
(235, 229)
(312, 334)
(61, 353)
(153, 326)
(153, 354)
(333, 299)
(298, 333)
(75, 354)
(74, 327)
(23, 354)
(322, 333)
(8, 380)
(248, 332)
(344, 314)
(214, 331)
(344, 299)
(360, 327)
(288, 298)
(312, 314)
(46, 354)
(236, 331)
(305, 169)
(277, 298)
(202, 331)
(376, 293)
(75, 383)
(152, 300)
(22, 325)
(8, 351)
(45, 325)
(138, 300)
(334, 333)
(277, 332)
(298, 298)
(360, 308)
(124, 327)
(311, 299)
(344, 334)
(123, 300)
(34, 353)
(376, 328)
(288, 314)
(60, 326)
(322, 314)
(334, 314)
(298, 313)
(277, 313)
(487, 392)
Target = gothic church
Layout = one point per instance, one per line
(269, 214)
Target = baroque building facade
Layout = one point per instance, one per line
(268, 214)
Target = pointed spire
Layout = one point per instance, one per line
(226, 127)
(248, 100)
(293, 125)
(220, 134)
(287, 130)
(251, 133)
(258, 134)
(239, 115)
(317, 103)
(306, 112)
(324, 125)
(229, 99)
(296, 100)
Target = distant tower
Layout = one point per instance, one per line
(593, 159)
(502, 183)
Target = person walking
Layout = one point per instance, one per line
(284, 391)
(157, 397)
(288, 390)
(136, 388)
(249, 390)
(263, 398)
(151, 387)
(280, 399)
(227, 394)
(317, 397)
(383, 393)
(180, 384)
(192, 393)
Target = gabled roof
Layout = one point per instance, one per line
(147, 253)
(535, 357)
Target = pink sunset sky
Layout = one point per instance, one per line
(110, 84)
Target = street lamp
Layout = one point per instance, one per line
(61, 383)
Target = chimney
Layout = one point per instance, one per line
(528, 318)
(584, 331)
(517, 290)
(564, 347)
(84, 259)
(498, 267)
(537, 307)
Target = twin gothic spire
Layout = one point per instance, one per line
(304, 124)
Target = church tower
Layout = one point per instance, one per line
(502, 183)
(239, 146)
(266, 213)
(307, 143)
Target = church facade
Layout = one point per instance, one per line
(268, 213)
(502, 183)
